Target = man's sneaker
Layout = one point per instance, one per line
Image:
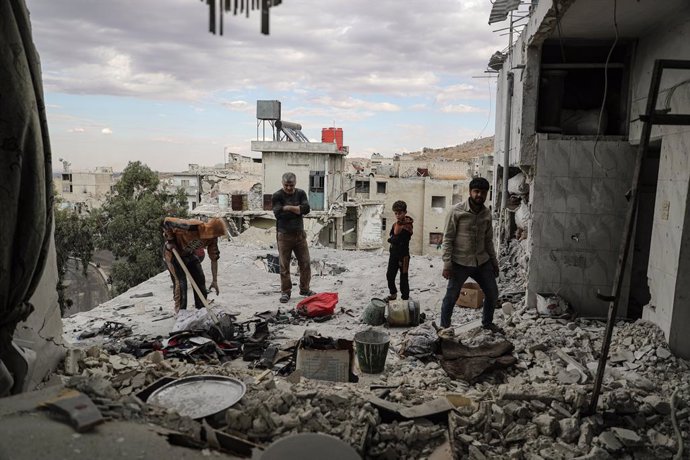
(307, 293)
(493, 328)
(284, 297)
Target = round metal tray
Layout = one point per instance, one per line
(200, 395)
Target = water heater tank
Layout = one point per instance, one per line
(333, 135)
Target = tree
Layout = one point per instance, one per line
(130, 225)
(73, 239)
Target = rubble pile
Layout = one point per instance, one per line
(410, 439)
(114, 405)
(535, 408)
(128, 374)
(539, 411)
(416, 382)
(268, 412)
(512, 279)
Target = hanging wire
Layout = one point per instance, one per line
(606, 88)
(488, 118)
(560, 33)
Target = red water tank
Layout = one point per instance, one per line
(331, 135)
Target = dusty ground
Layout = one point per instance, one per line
(536, 409)
(246, 288)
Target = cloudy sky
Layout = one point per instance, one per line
(144, 80)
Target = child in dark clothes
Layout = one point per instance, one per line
(399, 259)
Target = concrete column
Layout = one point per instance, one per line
(678, 337)
(339, 232)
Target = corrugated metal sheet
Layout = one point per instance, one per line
(501, 8)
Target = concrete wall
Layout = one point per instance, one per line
(277, 163)
(523, 106)
(668, 262)
(418, 193)
(435, 216)
(411, 191)
(438, 169)
(578, 211)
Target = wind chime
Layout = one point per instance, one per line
(217, 8)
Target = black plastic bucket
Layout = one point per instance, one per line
(372, 349)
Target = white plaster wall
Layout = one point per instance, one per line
(275, 164)
(668, 41)
(578, 212)
(435, 218)
(669, 222)
(411, 191)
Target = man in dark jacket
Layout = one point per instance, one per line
(289, 205)
(399, 258)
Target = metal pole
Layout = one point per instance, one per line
(506, 135)
(506, 141)
(627, 232)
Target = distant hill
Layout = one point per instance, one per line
(465, 151)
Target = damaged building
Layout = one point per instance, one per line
(83, 191)
(429, 197)
(333, 220)
(572, 111)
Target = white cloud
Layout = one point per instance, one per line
(368, 66)
(352, 46)
(350, 103)
(460, 108)
(76, 130)
(239, 106)
(106, 131)
(460, 91)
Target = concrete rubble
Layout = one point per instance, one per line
(534, 409)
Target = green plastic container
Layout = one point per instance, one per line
(375, 313)
(372, 349)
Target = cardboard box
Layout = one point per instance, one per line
(471, 296)
(333, 365)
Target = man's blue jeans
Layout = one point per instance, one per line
(484, 276)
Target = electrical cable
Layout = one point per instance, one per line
(671, 90)
(606, 89)
(488, 118)
(558, 27)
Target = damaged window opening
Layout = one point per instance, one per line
(435, 239)
(362, 186)
(383, 224)
(571, 88)
(316, 181)
(438, 202)
(380, 187)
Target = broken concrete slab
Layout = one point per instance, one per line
(77, 408)
(627, 437)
